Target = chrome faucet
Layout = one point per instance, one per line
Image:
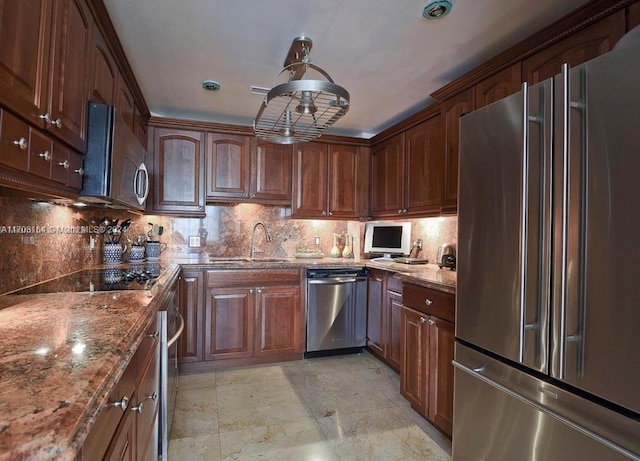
(254, 250)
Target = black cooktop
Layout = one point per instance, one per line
(138, 277)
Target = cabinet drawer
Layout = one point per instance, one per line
(148, 345)
(108, 419)
(148, 397)
(394, 283)
(14, 146)
(429, 301)
(252, 277)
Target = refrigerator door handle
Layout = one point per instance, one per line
(523, 217)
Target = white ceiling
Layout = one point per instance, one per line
(382, 51)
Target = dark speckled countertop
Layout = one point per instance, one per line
(62, 353)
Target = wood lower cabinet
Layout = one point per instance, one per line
(240, 317)
(576, 49)
(426, 371)
(178, 172)
(384, 307)
(190, 345)
(327, 181)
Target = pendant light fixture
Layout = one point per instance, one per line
(299, 109)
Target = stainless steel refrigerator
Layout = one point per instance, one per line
(547, 359)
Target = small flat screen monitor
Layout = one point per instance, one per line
(387, 239)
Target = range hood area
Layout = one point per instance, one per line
(115, 174)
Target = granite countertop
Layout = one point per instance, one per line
(62, 353)
(60, 356)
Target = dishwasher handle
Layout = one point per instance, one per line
(333, 281)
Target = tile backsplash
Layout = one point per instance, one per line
(39, 241)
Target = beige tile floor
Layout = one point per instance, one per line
(339, 408)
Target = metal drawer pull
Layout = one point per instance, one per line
(45, 155)
(64, 164)
(137, 409)
(153, 397)
(122, 403)
(428, 302)
(21, 143)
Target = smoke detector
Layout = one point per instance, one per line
(211, 85)
(436, 9)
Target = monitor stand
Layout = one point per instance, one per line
(385, 258)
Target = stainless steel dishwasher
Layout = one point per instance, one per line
(336, 310)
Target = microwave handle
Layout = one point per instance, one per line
(142, 197)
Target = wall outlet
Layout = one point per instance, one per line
(195, 241)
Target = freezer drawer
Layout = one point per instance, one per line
(501, 413)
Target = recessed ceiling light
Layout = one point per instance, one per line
(436, 9)
(211, 85)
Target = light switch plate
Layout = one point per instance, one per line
(195, 241)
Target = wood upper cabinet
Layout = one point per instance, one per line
(241, 168)
(452, 109)
(327, 182)
(103, 75)
(192, 310)
(125, 104)
(387, 177)
(229, 323)
(441, 347)
(227, 163)
(424, 168)
(576, 49)
(72, 49)
(271, 173)
(633, 16)
(178, 172)
(44, 64)
(25, 30)
(279, 320)
(498, 86)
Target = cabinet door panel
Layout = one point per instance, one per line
(278, 320)
(271, 173)
(413, 370)
(14, 143)
(229, 323)
(425, 167)
(104, 73)
(125, 104)
(343, 181)
(60, 163)
(387, 177)
(24, 56)
(452, 109)
(228, 166)
(633, 16)
(441, 345)
(394, 329)
(375, 312)
(71, 59)
(576, 49)
(310, 167)
(178, 184)
(498, 86)
(192, 310)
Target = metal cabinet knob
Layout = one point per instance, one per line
(260, 290)
(153, 397)
(154, 335)
(422, 320)
(330, 213)
(138, 409)
(47, 119)
(253, 195)
(432, 322)
(21, 143)
(404, 210)
(246, 195)
(64, 164)
(324, 213)
(122, 403)
(57, 123)
(428, 302)
(45, 155)
(251, 290)
(80, 171)
(399, 211)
